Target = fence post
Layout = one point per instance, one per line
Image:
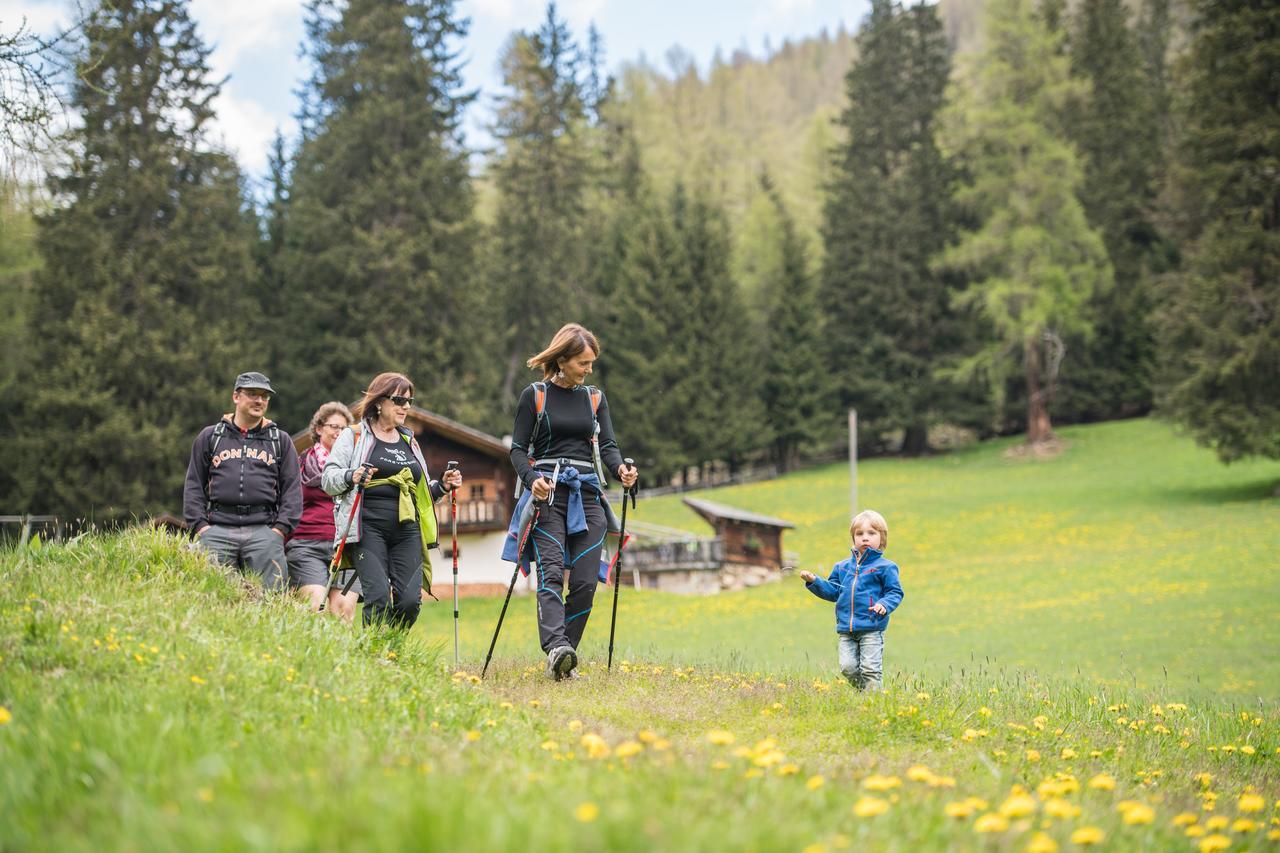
(853, 462)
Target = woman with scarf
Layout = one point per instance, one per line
(310, 548)
(563, 432)
(377, 461)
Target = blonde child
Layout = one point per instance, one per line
(866, 590)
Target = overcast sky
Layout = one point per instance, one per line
(256, 43)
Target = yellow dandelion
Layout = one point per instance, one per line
(1042, 843)
(1139, 815)
(1214, 843)
(991, 822)
(788, 770)
(1061, 809)
(1205, 779)
(1250, 803)
(753, 773)
(870, 807)
(628, 749)
(586, 812)
(1216, 822)
(1195, 831)
(881, 783)
(1273, 835)
(1087, 835)
(595, 745)
(1018, 805)
(920, 773)
(813, 783)
(720, 737)
(1033, 755)
(1103, 782)
(550, 745)
(769, 758)
(1185, 819)
(1248, 750)
(205, 795)
(1243, 824)
(473, 735)
(575, 725)
(960, 810)
(1068, 753)
(646, 736)
(942, 782)
(195, 679)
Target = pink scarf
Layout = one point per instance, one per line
(313, 464)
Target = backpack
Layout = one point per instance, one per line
(221, 429)
(540, 410)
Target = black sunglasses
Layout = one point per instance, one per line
(397, 400)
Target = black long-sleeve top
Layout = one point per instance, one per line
(565, 431)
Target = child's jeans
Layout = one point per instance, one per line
(862, 658)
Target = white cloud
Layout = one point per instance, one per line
(246, 128)
(43, 16)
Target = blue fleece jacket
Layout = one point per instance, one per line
(857, 583)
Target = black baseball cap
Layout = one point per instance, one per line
(253, 379)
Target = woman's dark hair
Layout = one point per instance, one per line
(383, 385)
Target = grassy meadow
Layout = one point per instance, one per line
(1085, 657)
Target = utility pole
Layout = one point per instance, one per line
(853, 462)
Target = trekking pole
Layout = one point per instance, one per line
(524, 540)
(453, 516)
(617, 565)
(337, 555)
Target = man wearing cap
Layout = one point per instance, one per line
(243, 496)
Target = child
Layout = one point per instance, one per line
(865, 589)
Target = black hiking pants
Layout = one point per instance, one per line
(562, 618)
(388, 561)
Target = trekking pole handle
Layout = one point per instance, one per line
(630, 463)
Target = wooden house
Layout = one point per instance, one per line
(746, 550)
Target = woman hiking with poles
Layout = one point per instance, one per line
(395, 524)
(562, 443)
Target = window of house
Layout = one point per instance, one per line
(477, 491)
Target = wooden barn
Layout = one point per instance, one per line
(746, 550)
(485, 503)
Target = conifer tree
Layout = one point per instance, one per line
(542, 175)
(1118, 135)
(138, 321)
(888, 214)
(794, 377)
(1035, 260)
(379, 231)
(1220, 323)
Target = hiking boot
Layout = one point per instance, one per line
(560, 662)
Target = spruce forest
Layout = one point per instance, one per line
(962, 222)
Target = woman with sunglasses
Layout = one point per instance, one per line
(310, 548)
(395, 524)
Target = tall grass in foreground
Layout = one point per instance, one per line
(151, 702)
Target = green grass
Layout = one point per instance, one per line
(1133, 558)
(149, 702)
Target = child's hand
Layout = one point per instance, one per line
(878, 609)
(808, 577)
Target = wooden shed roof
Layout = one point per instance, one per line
(714, 512)
(420, 419)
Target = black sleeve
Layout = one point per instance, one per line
(195, 503)
(521, 435)
(609, 452)
(289, 508)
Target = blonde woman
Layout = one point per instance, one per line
(310, 548)
(563, 432)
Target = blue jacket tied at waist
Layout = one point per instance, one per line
(575, 515)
